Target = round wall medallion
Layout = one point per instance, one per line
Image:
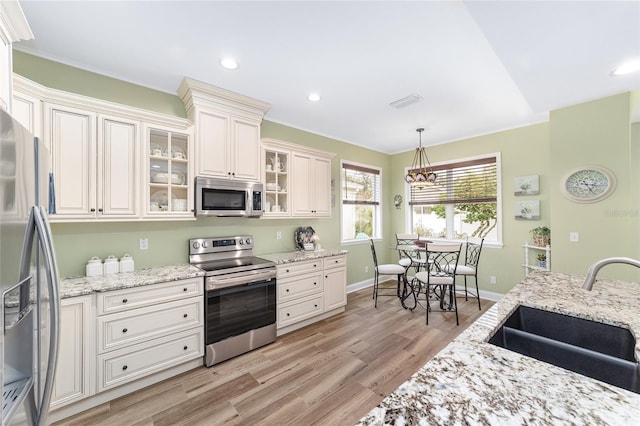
(588, 184)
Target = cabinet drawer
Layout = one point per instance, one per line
(139, 325)
(137, 297)
(126, 365)
(300, 309)
(300, 286)
(335, 262)
(297, 268)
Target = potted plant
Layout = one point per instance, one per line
(541, 236)
(542, 260)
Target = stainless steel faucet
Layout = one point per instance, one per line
(593, 269)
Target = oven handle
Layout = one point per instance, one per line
(216, 283)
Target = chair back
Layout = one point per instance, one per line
(472, 255)
(443, 259)
(373, 253)
(406, 239)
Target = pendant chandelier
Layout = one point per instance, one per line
(419, 175)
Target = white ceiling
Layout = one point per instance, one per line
(479, 66)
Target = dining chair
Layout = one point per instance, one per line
(385, 269)
(410, 258)
(438, 279)
(470, 268)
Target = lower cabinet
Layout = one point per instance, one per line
(309, 291)
(165, 327)
(73, 380)
(123, 337)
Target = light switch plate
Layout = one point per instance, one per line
(574, 237)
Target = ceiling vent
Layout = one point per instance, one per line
(406, 101)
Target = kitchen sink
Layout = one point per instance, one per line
(601, 351)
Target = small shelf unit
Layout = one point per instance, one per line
(530, 255)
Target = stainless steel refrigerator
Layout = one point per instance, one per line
(29, 281)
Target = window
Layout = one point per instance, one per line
(361, 216)
(462, 203)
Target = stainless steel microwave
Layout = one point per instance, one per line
(224, 197)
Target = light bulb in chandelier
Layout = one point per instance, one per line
(419, 174)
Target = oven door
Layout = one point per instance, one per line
(234, 309)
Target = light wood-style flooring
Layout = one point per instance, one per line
(330, 373)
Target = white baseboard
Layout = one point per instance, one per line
(488, 295)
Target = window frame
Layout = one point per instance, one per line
(378, 208)
(499, 213)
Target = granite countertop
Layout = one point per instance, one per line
(473, 382)
(73, 287)
(301, 255)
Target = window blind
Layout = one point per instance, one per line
(361, 185)
(473, 181)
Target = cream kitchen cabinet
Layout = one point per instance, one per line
(300, 292)
(335, 282)
(74, 378)
(152, 328)
(95, 162)
(297, 180)
(227, 130)
(310, 185)
(168, 173)
(309, 291)
(13, 27)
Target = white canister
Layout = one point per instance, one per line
(126, 263)
(94, 267)
(111, 265)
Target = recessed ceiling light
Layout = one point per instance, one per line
(627, 67)
(229, 63)
(313, 97)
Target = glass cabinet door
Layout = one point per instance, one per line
(169, 179)
(276, 171)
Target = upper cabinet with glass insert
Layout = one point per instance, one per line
(169, 180)
(297, 180)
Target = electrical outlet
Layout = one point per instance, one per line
(493, 279)
(278, 235)
(366, 269)
(574, 237)
(144, 244)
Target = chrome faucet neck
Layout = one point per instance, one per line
(593, 269)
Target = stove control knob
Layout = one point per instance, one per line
(196, 245)
(248, 241)
(240, 242)
(205, 244)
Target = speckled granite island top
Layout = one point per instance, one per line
(472, 382)
(301, 255)
(73, 287)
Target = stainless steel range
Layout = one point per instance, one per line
(240, 292)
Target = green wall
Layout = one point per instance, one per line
(63, 77)
(523, 152)
(596, 133)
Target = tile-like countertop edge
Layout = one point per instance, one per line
(81, 286)
(301, 255)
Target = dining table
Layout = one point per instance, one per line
(411, 288)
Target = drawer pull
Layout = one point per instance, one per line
(287, 270)
(315, 283)
(185, 348)
(124, 330)
(288, 314)
(337, 261)
(287, 290)
(184, 289)
(184, 316)
(315, 306)
(315, 266)
(326, 276)
(124, 367)
(125, 300)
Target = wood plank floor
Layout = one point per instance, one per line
(330, 373)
